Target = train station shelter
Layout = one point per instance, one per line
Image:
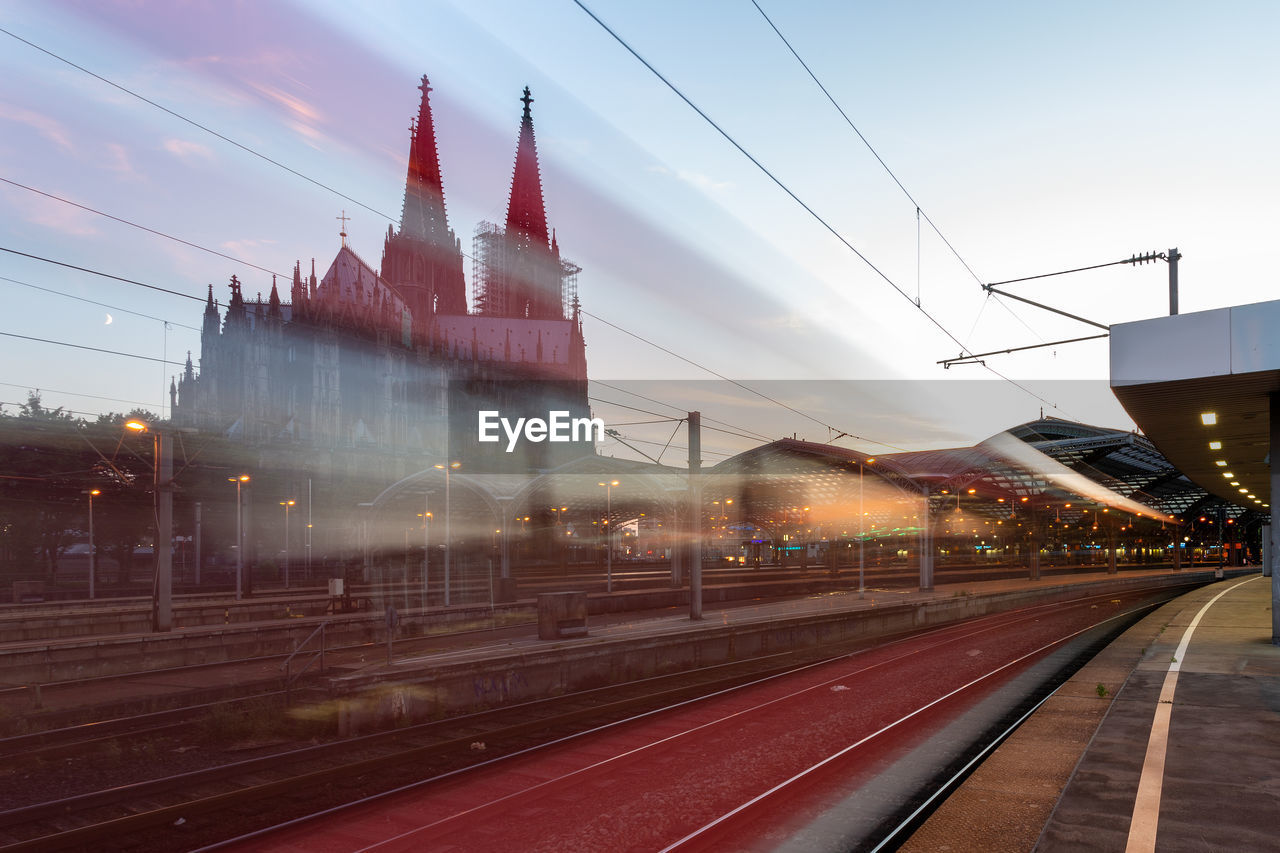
(1205, 388)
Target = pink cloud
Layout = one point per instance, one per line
(186, 150)
(48, 128)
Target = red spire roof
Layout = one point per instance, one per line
(526, 214)
(423, 216)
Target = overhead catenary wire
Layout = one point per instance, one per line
(705, 419)
(32, 388)
(198, 125)
(919, 211)
(95, 302)
(813, 213)
(734, 382)
(141, 227)
(299, 174)
(264, 269)
(92, 349)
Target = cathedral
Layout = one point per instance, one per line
(393, 359)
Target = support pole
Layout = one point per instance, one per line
(162, 613)
(199, 550)
(1274, 556)
(1173, 281)
(695, 514)
(926, 547)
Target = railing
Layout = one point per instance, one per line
(289, 675)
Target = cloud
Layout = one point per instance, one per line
(702, 182)
(117, 160)
(52, 214)
(300, 108)
(187, 151)
(694, 179)
(243, 246)
(48, 128)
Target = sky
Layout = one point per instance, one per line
(1036, 138)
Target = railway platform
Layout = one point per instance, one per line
(1169, 740)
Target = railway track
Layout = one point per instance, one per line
(200, 807)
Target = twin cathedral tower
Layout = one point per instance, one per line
(392, 359)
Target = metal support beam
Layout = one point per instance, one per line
(1275, 519)
(695, 514)
(162, 612)
(926, 547)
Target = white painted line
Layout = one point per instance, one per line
(1146, 807)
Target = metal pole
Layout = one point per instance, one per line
(286, 543)
(448, 535)
(308, 548)
(1222, 520)
(608, 538)
(93, 565)
(695, 514)
(239, 545)
(926, 547)
(1274, 552)
(163, 613)
(861, 534)
(426, 543)
(199, 549)
(1173, 281)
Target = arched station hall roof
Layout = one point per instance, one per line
(1046, 462)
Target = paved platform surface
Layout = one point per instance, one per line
(1153, 746)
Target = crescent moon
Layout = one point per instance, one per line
(108, 323)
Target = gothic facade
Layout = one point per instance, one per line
(391, 359)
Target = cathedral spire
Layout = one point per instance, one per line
(423, 216)
(526, 214)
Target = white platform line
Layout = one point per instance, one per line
(1146, 807)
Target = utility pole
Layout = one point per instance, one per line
(1173, 259)
(695, 514)
(162, 614)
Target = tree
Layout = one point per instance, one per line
(35, 410)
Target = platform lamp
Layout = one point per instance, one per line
(287, 506)
(162, 590)
(239, 481)
(93, 562)
(862, 531)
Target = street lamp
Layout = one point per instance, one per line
(608, 533)
(448, 530)
(239, 481)
(862, 535)
(286, 505)
(162, 594)
(425, 515)
(93, 564)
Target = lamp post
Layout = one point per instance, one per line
(93, 563)
(862, 533)
(608, 533)
(162, 589)
(425, 515)
(239, 481)
(448, 530)
(286, 505)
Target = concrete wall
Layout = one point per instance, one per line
(365, 702)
